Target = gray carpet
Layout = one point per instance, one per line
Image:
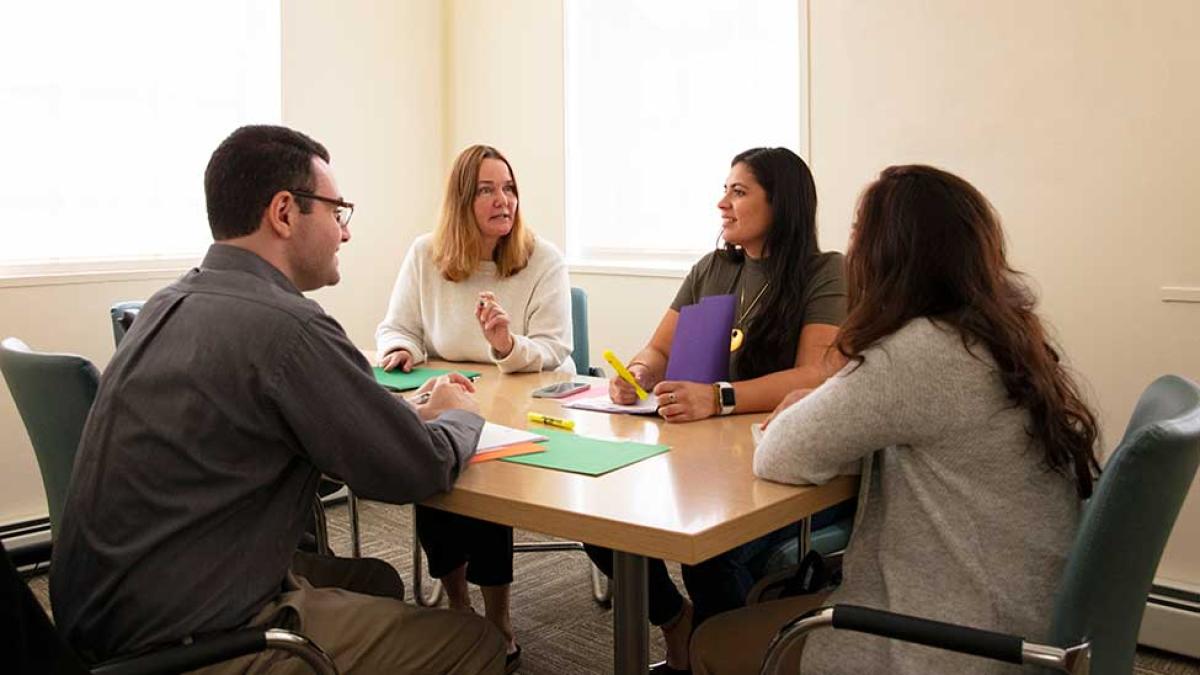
(560, 628)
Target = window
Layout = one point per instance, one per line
(659, 98)
(111, 110)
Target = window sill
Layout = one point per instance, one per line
(92, 273)
(627, 270)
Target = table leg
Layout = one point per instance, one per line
(804, 545)
(631, 634)
(355, 540)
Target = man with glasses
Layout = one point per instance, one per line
(229, 397)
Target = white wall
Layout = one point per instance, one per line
(1076, 118)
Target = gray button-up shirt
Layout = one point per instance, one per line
(224, 404)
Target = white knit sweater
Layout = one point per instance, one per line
(434, 318)
(958, 518)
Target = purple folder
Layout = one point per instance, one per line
(700, 348)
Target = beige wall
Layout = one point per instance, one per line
(365, 78)
(1076, 118)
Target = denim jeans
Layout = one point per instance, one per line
(721, 583)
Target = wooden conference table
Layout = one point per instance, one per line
(689, 504)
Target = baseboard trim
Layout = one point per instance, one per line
(1172, 620)
(27, 543)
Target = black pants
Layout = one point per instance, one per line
(449, 540)
(716, 585)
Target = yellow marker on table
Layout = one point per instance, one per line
(624, 373)
(569, 425)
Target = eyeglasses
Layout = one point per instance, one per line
(342, 210)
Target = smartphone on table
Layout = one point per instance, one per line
(560, 389)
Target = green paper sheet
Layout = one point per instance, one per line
(566, 451)
(401, 381)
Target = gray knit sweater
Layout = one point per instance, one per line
(958, 520)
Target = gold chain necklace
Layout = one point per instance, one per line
(739, 335)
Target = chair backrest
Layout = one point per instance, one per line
(123, 314)
(1126, 524)
(53, 393)
(29, 641)
(579, 330)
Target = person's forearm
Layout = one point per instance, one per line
(652, 362)
(762, 394)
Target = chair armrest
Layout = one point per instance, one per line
(955, 638)
(948, 636)
(217, 648)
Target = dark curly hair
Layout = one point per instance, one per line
(926, 243)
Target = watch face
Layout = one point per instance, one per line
(727, 396)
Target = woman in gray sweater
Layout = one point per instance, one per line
(977, 448)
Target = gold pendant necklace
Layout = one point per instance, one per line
(739, 335)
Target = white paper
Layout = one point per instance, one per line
(498, 436)
(756, 432)
(647, 406)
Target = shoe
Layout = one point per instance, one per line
(512, 661)
(661, 668)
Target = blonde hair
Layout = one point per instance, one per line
(456, 240)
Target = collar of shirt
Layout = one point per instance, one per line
(235, 258)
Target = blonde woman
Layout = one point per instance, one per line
(481, 288)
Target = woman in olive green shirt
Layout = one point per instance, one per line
(790, 297)
(789, 300)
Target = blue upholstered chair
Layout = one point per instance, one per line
(53, 393)
(1102, 595)
(34, 645)
(581, 352)
(123, 315)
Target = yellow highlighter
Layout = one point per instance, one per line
(624, 373)
(569, 425)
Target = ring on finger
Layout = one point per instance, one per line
(671, 397)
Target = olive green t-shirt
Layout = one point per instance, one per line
(719, 274)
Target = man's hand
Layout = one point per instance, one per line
(448, 392)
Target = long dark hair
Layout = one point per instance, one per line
(927, 244)
(790, 248)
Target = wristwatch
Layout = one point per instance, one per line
(725, 397)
